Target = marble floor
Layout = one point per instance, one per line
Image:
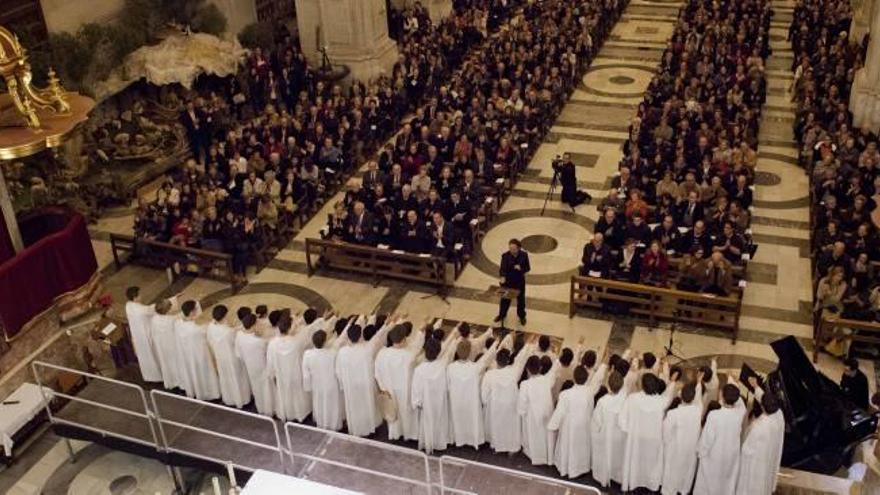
(592, 126)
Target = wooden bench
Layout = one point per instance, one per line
(376, 262)
(657, 303)
(192, 261)
(862, 331)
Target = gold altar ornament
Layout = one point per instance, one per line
(33, 119)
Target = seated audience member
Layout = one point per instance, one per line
(597, 259)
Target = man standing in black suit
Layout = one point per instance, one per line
(514, 267)
(197, 122)
(443, 237)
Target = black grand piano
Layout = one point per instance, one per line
(822, 427)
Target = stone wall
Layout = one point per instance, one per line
(69, 15)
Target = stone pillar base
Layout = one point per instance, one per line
(365, 66)
(864, 103)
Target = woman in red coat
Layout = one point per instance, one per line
(655, 265)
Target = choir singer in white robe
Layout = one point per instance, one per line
(354, 368)
(463, 378)
(641, 418)
(393, 370)
(430, 395)
(235, 389)
(251, 349)
(284, 368)
(681, 437)
(762, 449)
(535, 406)
(198, 363)
(720, 446)
(165, 344)
(571, 419)
(500, 392)
(606, 438)
(139, 316)
(319, 378)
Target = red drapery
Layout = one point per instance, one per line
(58, 259)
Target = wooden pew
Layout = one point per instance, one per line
(197, 262)
(376, 262)
(657, 303)
(862, 331)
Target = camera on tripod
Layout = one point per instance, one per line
(557, 163)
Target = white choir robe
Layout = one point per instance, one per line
(319, 378)
(499, 393)
(681, 437)
(235, 389)
(198, 363)
(354, 369)
(641, 418)
(139, 316)
(607, 439)
(393, 371)
(761, 455)
(719, 451)
(463, 379)
(429, 398)
(284, 367)
(165, 342)
(535, 406)
(571, 419)
(712, 386)
(251, 349)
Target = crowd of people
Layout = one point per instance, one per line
(428, 186)
(842, 162)
(631, 419)
(684, 186)
(269, 144)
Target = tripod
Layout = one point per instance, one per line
(550, 191)
(669, 347)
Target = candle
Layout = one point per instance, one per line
(232, 483)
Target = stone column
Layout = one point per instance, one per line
(438, 9)
(863, 12)
(355, 33)
(864, 101)
(9, 216)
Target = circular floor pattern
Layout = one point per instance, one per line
(767, 179)
(273, 294)
(123, 485)
(539, 244)
(622, 80)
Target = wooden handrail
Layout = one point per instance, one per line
(827, 326)
(658, 303)
(376, 262)
(168, 251)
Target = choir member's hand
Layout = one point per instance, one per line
(753, 382)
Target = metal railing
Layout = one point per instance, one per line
(563, 487)
(172, 443)
(423, 481)
(143, 413)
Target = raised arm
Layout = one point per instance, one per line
(487, 357)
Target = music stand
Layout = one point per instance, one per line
(507, 293)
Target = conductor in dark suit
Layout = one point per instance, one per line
(514, 267)
(443, 237)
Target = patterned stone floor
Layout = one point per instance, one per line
(592, 127)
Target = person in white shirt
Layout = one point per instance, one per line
(354, 368)
(641, 419)
(196, 358)
(235, 389)
(499, 393)
(319, 378)
(251, 349)
(571, 419)
(681, 437)
(708, 376)
(393, 371)
(165, 344)
(463, 379)
(430, 394)
(535, 406)
(139, 316)
(720, 446)
(762, 449)
(606, 438)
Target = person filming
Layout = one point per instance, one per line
(514, 267)
(571, 196)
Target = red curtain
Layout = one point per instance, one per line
(61, 260)
(6, 249)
